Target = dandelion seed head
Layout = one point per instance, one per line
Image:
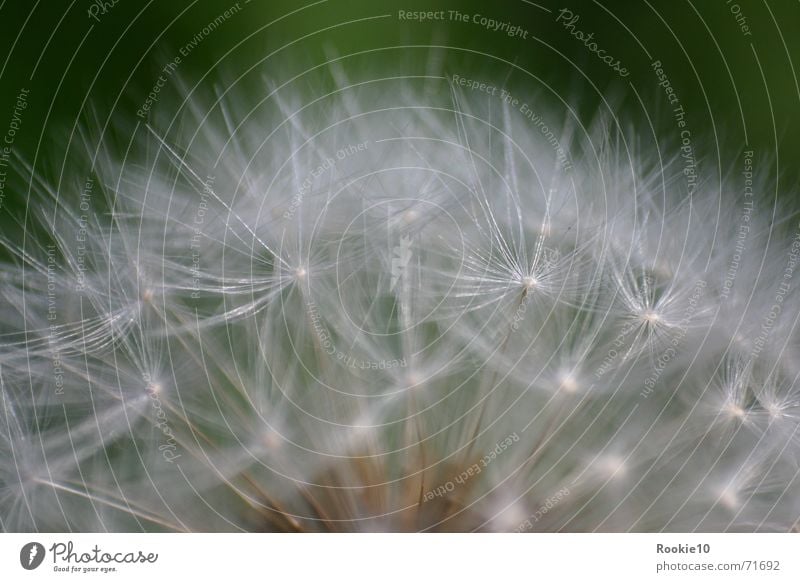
(613, 466)
(414, 379)
(272, 439)
(363, 427)
(410, 216)
(663, 270)
(369, 402)
(651, 317)
(729, 498)
(568, 382)
(734, 411)
(774, 410)
(508, 516)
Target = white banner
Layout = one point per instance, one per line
(423, 557)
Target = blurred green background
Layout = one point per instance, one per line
(738, 85)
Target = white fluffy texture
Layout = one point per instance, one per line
(250, 337)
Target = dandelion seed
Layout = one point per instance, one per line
(529, 282)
